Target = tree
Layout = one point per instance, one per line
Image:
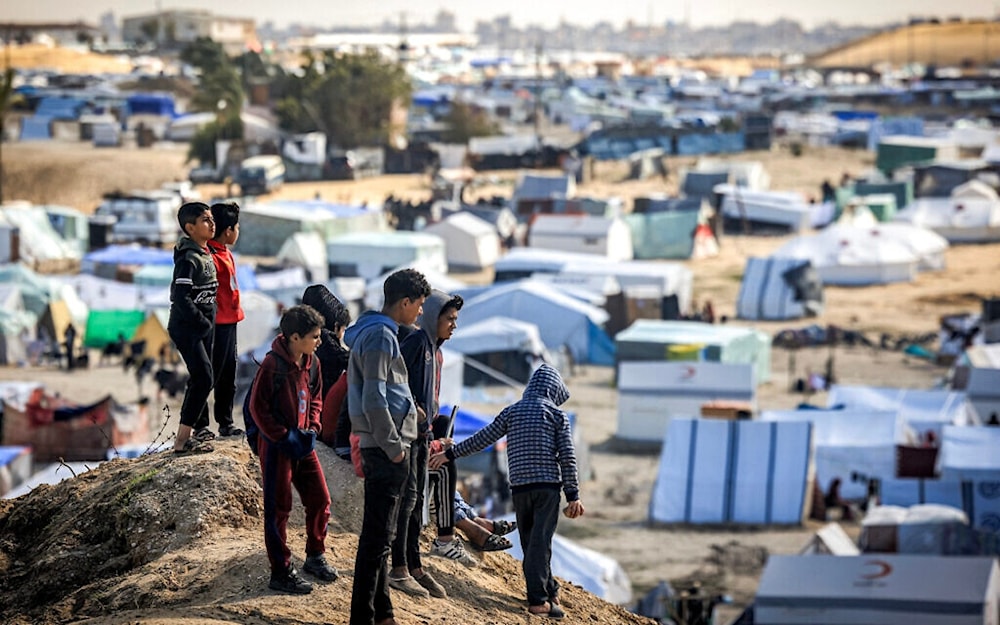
(220, 90)
(7, 99)
(465, 122)
(202, 146)
(205, 54)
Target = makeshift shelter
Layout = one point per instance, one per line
(505, 345)
(830, 540)
(536, 193)
(369, 254)
(968, 219)
(779, 288)
(152, 332)
(850, 443)
(983, 386)
(471, 243)
(600, 236)
(15, 325)
(39, 245)
(882, 590)
(375, 294)
(595, 572)
(922, 410)
(970, 453)
(57, 429)
(98, 293)
(72, 225)
(656, 340)
(720, 471)
(122, 262)
(652, 394)
(265, 226)
(106, 326)
(671, 234)
(783, 210)
(260, 320)
(750, 175)
(306, 250)
(51, 474)
(562, 321)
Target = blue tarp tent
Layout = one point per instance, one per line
(663, 234)
(59, 108)
(151, 104)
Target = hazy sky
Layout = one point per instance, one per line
(523, 12)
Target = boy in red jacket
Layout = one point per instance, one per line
(228, 313)
(285, 403)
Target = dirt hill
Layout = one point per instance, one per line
(165, 540)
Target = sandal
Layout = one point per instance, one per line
(195, 446)
(495, 542)
(204, 434)
(502, 528)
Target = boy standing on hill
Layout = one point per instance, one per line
(384, 417)
(285, 403)
(192, 317)
(541, 459)
(228, 314)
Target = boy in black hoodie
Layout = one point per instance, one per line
(192, 316)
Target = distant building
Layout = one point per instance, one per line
(62, 33)
(177, 28)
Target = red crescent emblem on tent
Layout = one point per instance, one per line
(884, 568)
(689, 373)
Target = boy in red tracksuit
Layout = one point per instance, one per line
(287, 411)
(228, 313)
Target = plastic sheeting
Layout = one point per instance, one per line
(766, 293)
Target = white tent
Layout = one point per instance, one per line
(260, 322)
(716, 471)
(878, 589)
(593, 571)
(964, 219)
(766, 293)
(370, 254)
(497, 334)
(103, 294)
(451, 377)
(40, 246)
(306, 250)
(470, 242)
(561, 319)
(970, 453)
(850, 442)
(786, 209)
(652, 394)
(375, 295)
(831, 540)
(609, 238)
(922, 410)
(983, 387)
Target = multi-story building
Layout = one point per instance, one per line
(177, 28)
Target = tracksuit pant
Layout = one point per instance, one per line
(537, 512)
(442, 483)
(224, 370)
(279, 474)
(197, 354)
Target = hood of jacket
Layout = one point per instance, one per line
(184, 245)
(366, 320)
(325, 303)
(428, 320)
(279, 346)
(546, 384)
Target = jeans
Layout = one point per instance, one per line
(384, 483)
(406, 545)
(537, 514)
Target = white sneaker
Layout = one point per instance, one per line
(453, 550)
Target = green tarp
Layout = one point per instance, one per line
(668, 234)
(104, 326)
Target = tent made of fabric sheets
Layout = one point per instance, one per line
(104, 326)
(561, 319)
(922, 410)
(306, 250)
(766, 292)
(724, 471)
(849, 442)
(470, 243)
(605, 237)
(970, 453)
(265, 226)
(369, 254)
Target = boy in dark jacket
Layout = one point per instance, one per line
(228, 314)
(192, 317)
(384, 417)
(541, 460)
(287, 413)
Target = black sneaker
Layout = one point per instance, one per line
(318, 567)
(230, 430)
(290, 582)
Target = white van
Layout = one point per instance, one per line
(261, 174)
(146, 217)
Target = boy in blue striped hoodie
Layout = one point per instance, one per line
(541, 460)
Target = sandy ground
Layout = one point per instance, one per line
(617, 499)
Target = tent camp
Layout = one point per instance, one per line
(608, 238)
(105, 326)
(121, 262)
(878, 590)
(99, 293)
(306, 250)
(471, 243)
(152, 332)
(369, 254)
(922, 410)
(562, 321)
(535, 193)
(265, 226)
(850, 442)
(375, 294)
(657, 340)
(784, 210)
(779, 288)
(40, 246)
(595, 572)
(652, 394)
(970, 453)
(505, 345)
(260, 320)
(983, 386)
(721, 471)
(15, 325)
(968, 219)
(671, 234)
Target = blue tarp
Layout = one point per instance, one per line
(129, 255)
(601, 350)
(718, 143)
(247, 278)
(467, 423)
(7, 454)
(338, 210)
(36, 128)
(151, 104)
(60, 108)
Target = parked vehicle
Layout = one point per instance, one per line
(261, 174)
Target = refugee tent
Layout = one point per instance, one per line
(451, 377)
(260, 320)
(785, 210)
(983, 386)
(375, 294)
(15, 325)
(885, 589)
(471, 243)
(830, 540)
(750, 175)
(121, 262)
(105, 294)
(657, 340)
(922, 410)
(265, 226)
(501, 218)
(595, 572)
(600, 236)
(152, 332)
(671, 234)
(850, 443)
(970, 453)
(306, 250)
(724, 471)
(72, 225)
(534, 190)
(968, 219)
(850, 256)
(562, 321)
(370, 254)
(505, 345)
(652, 394)
(779, 288)
(106, 326)
(39, 245)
